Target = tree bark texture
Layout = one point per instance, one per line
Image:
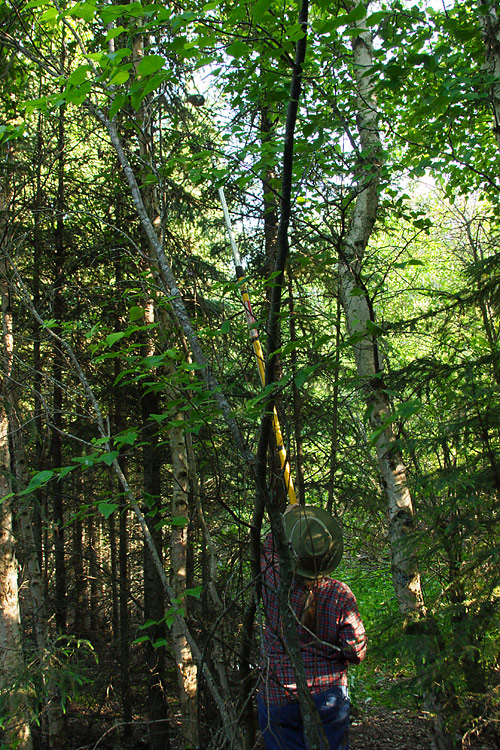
(186, 666)
(12, 671)
(490, 30)
(154, 596)
(361, 325)
(13, 677)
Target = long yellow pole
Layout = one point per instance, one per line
(259, 355)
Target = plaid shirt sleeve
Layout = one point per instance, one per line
(351, 632)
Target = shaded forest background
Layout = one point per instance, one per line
(358, 146)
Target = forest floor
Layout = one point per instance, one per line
(380, 728)
(375, 728)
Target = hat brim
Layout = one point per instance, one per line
(302, 513)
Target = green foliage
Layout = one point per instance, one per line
(430, 274)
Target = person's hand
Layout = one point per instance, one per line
(289, 507)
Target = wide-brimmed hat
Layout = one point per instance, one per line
(315, 539)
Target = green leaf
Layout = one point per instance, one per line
(108, 458)
(113, 33)
(149, 624)
(196, 592)
(141, 639)
(65, 470)
(135, 313)
(38, 480)
(160, 643)
(154, 361)
(260, 8)
(114, 337)
(85, 11)
(150, 64)
(126, 438)
(375, 18)
(159, 417)
(118, 102)
(238, 49)
(225, 327)
(179, 521)
(107, 509)
(87, 460)
(121, 75)
(304, 374)
(373, 329)
(143, 87)
(79, 75)
(49, 15)
(357, 13)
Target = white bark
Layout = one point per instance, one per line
(13, 678)
(490, 29)
(359, 317)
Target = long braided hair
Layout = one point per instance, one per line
(309, 604)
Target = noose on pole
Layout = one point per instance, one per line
(259, 354)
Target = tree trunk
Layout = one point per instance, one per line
(490, 30)
(154, 596)
(124, 643)
(361, 325)
(297, 402)
(186, 667)
(13, 676)
(335, 415)
(58, 366)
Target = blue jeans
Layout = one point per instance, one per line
(282, 727)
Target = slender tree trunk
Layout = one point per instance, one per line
(56, 446)
(154, 596)
(361, 323)
(37, 359)
(113, 555)
(13, 676)
(490, 29)
(297, 402)
(93, 573)
(186, 666)
(124, 643)
(79, 573)
(335, 416)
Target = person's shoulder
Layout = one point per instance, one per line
(338, 588)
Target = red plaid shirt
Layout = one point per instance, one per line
(338, 623)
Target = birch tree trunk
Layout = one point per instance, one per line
(490, 30)
(17, 731)
(361, 324)
(12, 671)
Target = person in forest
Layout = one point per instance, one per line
(329, 628)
